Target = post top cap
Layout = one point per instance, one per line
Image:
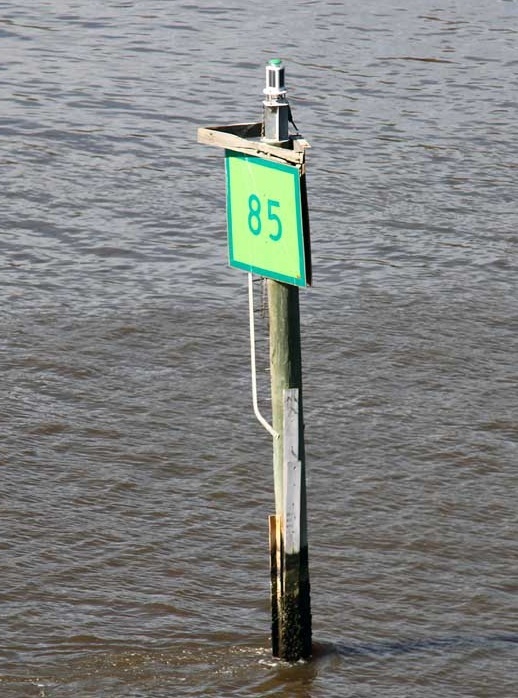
(274, 61)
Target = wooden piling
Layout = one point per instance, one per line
(279, 201)
(285, 370)
(291, 608)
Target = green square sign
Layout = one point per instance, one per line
(265, 218)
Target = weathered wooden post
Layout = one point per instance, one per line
(291, 611)
(268, 232)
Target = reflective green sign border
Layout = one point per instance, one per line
(264, 218)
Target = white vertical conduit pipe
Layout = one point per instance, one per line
(257, 413)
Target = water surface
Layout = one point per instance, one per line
(136, 483)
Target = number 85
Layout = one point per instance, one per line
(254, 217)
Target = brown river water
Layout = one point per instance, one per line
(136, 482)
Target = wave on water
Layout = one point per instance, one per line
(397, 647)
